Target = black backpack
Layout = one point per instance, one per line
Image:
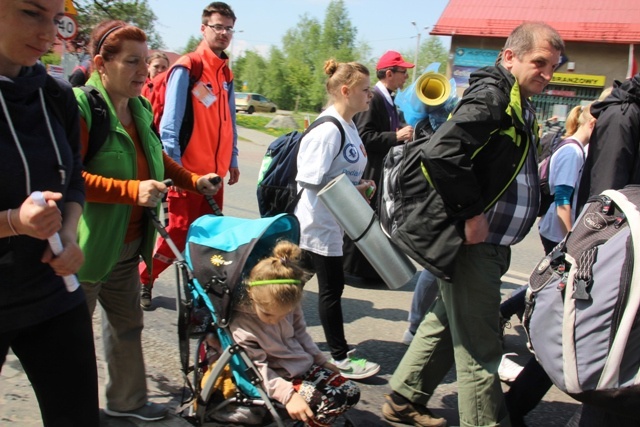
(549, 141)
(546, 197)
(100, 123)
(277, 188)
(402, 183)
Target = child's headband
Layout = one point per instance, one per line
(275, 282)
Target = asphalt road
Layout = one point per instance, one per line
(375, 319)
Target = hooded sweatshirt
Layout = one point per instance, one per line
(613, 161)
(30, 292)
(280, 352)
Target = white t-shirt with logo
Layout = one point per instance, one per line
(318, 163)
(565, 168)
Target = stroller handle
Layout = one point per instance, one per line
(160, 227)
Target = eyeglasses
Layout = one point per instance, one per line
(220, 28)
(399, 71)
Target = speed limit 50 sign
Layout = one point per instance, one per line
(68, 27)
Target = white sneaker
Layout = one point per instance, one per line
(509, 370)
(356, 368)
(407, 337)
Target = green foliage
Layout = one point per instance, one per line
(258, 123)
(294, 77)
(137, 12)
(50, 58)
(192, 44)
(431, 50)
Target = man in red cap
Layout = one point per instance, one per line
(380, 127)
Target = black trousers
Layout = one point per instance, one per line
(330, 288)
(59, 359)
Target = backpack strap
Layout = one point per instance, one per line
(317, 122)
(100, 123)
(324, 119)
(195, 74)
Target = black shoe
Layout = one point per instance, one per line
(145, 297)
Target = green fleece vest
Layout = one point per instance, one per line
(103, 226)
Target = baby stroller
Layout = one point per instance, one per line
(219, 254)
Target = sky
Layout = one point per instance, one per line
(383, 24)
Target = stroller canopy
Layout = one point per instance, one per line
(221, 251)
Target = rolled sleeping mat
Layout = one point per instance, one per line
(433, 89)
(361, 224)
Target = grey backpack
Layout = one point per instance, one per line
(582, 305)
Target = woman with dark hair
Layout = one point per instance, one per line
(122, 179)
(45, 324)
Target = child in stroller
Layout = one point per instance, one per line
(269, 324)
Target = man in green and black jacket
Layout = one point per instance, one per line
(482, 167)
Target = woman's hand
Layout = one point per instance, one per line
(150, 193)
(298, 408)
(209, 184)
(69, 261)
(37, 221)
(367, 188)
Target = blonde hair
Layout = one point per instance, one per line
(277, 281)
(343, 74)
(606, 92)
(578, 116)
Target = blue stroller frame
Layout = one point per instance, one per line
(219, 254)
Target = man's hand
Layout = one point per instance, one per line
(405, 134)
(476, 230)
(234, 175)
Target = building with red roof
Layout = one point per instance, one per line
(599, 37)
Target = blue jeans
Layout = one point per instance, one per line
(424, 295)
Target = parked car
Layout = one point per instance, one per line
(251, 102)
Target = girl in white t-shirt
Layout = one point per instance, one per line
(321, 159)
(565, 170)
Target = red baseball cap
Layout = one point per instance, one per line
(391, 58)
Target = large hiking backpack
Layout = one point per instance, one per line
(277, 188)
(546, 196)
(155, 91)
(402, 183)
(582, 304)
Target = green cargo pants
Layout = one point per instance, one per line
(462, 327)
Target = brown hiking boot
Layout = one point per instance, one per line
(410, 413)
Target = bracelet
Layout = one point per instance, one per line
(13, 230)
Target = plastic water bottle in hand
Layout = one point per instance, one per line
(71, 281)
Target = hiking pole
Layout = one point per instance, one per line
(216, 209)
(70, 281)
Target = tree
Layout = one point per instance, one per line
(294, 77)
(338, 35)
(136, 12)
(432, 50)
(192, 44)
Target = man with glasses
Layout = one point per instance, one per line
(212, 146)
(380, 128)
